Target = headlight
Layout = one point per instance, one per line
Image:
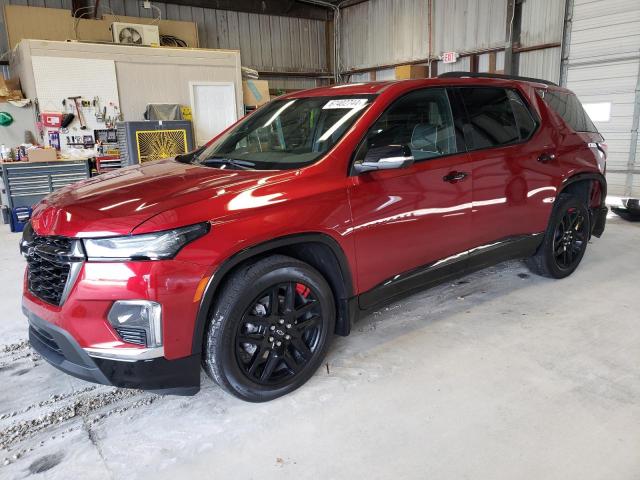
(149, 246)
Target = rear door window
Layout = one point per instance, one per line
(496, 117)
(570, 109)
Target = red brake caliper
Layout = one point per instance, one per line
(302, 290)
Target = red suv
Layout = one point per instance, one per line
(247, 255)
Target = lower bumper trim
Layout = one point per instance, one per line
(61, 350)
(126, 354)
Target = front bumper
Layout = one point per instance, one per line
(60, 349)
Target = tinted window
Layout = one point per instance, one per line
(569, 108)
(491, 118)
(422, 120)
(525, 122)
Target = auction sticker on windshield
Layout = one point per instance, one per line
(345, 103)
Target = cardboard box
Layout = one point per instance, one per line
(407, 72)
(255, 92)
(42, 155)
(10, 89)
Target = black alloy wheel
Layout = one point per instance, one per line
(270, 328)
(565, 240)
(570, 238)
(279, 333)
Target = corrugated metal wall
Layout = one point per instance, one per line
(484, 62)
(385, 32)
(540, 64)
(381, 32)
(462, 65)
(266, 42)
(542, 22)
(469, 25)
(604, 67)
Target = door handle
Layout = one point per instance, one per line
(546, 157)
(454, 177)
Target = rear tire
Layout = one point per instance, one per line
(565, 239)
(270, 329)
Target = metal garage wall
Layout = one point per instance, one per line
(484, 61)
(385, 32)
(540, 64)
(604, 67)
(541, 25)
(469, 25)
(266, 42)
(462, 65)
(382, 32)
(292, 83)
(542, 22)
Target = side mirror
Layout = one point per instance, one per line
(385, 158)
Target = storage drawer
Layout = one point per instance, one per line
(27, 184)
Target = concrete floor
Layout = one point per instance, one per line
(500, 375)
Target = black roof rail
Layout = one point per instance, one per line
(494, 75)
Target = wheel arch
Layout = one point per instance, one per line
(319, 250)
(580, 185)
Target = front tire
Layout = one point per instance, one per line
(270, 330)
(565, 239)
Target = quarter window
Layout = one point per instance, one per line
(421, 120)
(570, 109)
(525, 122)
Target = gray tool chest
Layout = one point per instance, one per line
(28, 183)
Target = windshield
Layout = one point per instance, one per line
(285, 134)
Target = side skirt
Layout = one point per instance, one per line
(455, 266)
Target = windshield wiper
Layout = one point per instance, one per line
(189, 157)
(242, 164)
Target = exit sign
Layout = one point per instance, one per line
(449, 57)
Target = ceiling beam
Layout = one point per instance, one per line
(286, 8)
(351, 3)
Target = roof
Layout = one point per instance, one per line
(496, 76)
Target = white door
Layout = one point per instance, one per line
(213, 106)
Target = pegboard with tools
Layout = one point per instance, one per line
(82, 94)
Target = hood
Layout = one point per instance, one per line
(115, 203)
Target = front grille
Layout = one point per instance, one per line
(48, 267)
(132, 335)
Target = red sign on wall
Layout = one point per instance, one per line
(449, 57)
